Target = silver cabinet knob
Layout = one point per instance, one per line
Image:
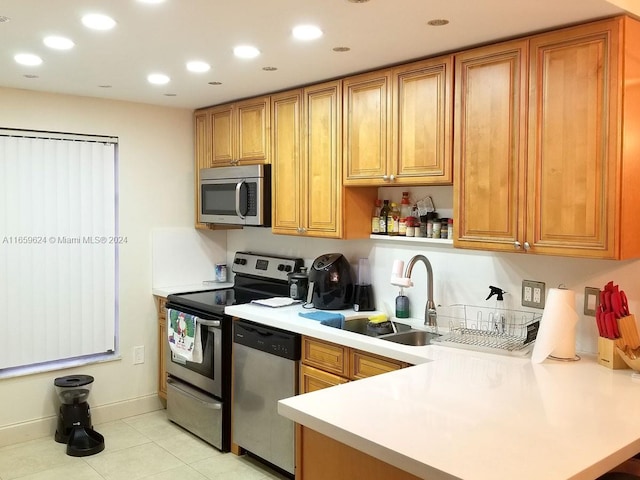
(392, 178)
(527, 246)
(517, 245)
(385, 177)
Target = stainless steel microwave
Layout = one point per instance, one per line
(236, 195)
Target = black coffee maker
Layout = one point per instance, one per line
(330, 282)
(74, 416)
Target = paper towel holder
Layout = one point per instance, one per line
(576, 357)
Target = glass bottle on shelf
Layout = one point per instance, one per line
(375, 217)
(405, 212)
(393, 220)
(384, 214)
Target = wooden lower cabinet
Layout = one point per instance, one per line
(325, 458)
(162, 346)
(325, 364)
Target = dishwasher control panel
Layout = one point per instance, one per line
(267, 339)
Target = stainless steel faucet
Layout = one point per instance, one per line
(430, 314)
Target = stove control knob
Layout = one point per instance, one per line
(280, 267)
(240, 261)
(287, 268)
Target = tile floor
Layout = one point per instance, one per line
(145, 446)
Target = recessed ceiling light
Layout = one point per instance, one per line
(58, 43)
(438, 22)
(246, 51)
(307, 32)
(4, 19)
(198, 66)
(341, 49)
(269, 69)
(151, 1)
(97, 21)
(28, 59)
(158, 78)
(215, 83)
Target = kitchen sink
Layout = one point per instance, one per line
(359, 325)
(415, 338)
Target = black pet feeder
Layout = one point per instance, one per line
(74, 417)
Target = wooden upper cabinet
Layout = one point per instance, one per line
(367, 127)
(489, 146)
(288, 192)
(202, 125)
(573, 154)
(573, 191)
(398, 125)
(308, 196)
(240, 132)
(421, 122)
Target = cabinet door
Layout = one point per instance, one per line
(422, 120)
(365, 365)
(325, 356)
(289, 191)
(367, 128)
(322, 171)
(489, 146)
(222, 136)
(202, 155)
(253, 117)
(572, 139)
(312, 379)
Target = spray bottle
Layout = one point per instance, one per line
(499, 316)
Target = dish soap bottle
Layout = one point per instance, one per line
(499, 316)
(402, 305)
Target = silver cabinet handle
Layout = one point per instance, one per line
(392, 178)
(527, 246)
(385, 177)
(238, 187)
(517, 245)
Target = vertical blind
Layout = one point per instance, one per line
(58, 247)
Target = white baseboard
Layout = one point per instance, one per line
(43, 427)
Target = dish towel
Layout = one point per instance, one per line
(325, 318)
(184, 336)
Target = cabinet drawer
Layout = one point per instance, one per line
(312, 379)
(365, 365)
(325, 355)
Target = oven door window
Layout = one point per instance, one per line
(220, 198)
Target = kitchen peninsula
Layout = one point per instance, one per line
(469, 415)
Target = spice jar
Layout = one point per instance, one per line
(444, 228)
(450, 229)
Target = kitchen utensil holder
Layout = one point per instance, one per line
(608, 356)
(495, 329)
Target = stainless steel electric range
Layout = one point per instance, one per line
(199, 394)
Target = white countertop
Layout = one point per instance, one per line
(196, 287)
(470, 415)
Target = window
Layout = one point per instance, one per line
(58, 247)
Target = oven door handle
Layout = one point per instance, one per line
(186, 391)
(209, 323)
(238, 188)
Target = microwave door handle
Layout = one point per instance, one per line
(238, 188)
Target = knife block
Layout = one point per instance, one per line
(608, 356)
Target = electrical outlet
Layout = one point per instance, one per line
(591, 300)
(138, 355)
(533, 294)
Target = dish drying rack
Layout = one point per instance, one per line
(488, 329)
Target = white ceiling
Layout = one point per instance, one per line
(163, 37)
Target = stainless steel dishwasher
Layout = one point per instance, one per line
(266, 362)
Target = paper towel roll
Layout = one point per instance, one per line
(557, 333)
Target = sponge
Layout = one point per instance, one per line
(378, 318)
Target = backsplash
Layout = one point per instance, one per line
(460, 276)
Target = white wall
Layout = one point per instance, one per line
(460, 276)
(156, 190)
